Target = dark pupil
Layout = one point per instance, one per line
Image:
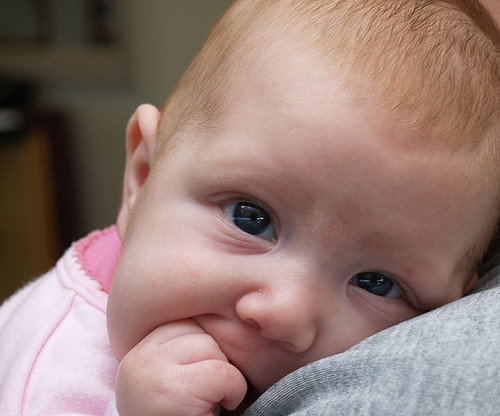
(250, 218)
(375, 283)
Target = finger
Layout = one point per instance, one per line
(215, 381)
(172, 330)
(192, 348)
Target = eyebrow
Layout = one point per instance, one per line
(271, 175)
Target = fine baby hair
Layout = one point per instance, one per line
(434, 62)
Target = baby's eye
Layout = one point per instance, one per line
(377, 284)
(250, 218)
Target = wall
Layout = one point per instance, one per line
(98, 88)
(162, 37)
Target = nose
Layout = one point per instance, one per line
(286, 316)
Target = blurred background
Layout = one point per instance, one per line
(71, 74)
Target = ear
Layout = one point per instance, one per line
(469, 285)
(140, 144)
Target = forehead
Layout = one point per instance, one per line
(301, 137)
(319, 137)
(289, 109)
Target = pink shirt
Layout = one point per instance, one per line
(55, 357)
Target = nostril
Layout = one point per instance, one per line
(252, 322)
(289, 346)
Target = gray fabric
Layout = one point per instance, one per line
(445, 362)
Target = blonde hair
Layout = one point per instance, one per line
(433, 62)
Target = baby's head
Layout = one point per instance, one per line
(324, 170)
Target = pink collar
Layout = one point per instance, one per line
(97, 255)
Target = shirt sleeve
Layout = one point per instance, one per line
(55, 357)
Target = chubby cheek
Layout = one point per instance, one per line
(135, 308)
(379, 311)
(140, 292)
(165, 282)
(356, 318)
(368, 314)
(133, 304)
(125, 322)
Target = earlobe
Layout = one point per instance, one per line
(140, 149)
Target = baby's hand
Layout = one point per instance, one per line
(177, 370)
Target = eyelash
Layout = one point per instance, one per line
(229, 197)
(405, 291)
(374, 282)
(403, 287)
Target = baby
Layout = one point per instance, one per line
(323, 170)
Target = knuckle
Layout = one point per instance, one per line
(222, 370)
(209, 344)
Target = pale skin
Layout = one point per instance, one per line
(199, 307)
(493, 6)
